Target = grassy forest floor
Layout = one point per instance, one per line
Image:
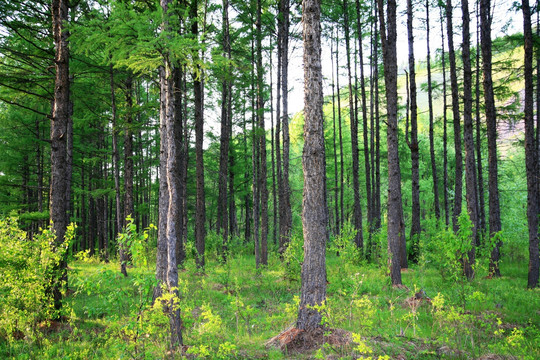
(232, 311)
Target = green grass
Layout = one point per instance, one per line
(235, 305)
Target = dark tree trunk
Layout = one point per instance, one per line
(395, 223)
(491, 121)
(200, 210)
(272, 153)
(222, 214)
(163, 205)
(458, 186)
(116, 159)
(340, 131)
(413, 143)
(468, 137)
(353, 119)
(285, 221)
(314, 214)
(336, 179)
(377, 179)
(531, 152)
(445, 123)
(60, 132)
(128, 150)
(263, 188)
(434, 174)
(478, 132)
(368, 168)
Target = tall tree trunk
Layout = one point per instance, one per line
(129, 206)
(353, 119)
(263, 188)
(314, 214)
(336, 180)
(395, 223)
(163, 200)
(413, 144)
(368, 168)
(445, 123)
(116, 164)
(478, 133)
(531, 152)
(272, 153)
(285, 222)
(60, 129)
(468, 137)
(458, 186)
(377, 178)
(434, 173)
(491, 121)
(200, 210)
(222, 215)
(340, 131)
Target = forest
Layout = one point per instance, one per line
(269, 179)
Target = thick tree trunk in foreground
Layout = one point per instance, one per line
(314, 214)
(531, 153)
(395, 223)
(491, 120)
(60, 132)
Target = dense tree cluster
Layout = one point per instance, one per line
(110, 109)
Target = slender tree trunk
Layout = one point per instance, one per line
(129, 206)
(445, 123)
(60, 129)
(116, 159)
(263, 188)
(285, 223)
(272, 153)
(531, 152)
(377, 179)
(468, 136)
(434, 173)
(395, 223)
(413, 144)
(458, 186)
(368, 168)
(357, 210)
(491, 121)
(223, 216)
(340, 128)
(200, 210)
(478, 133)
(336, 180)
(280, 25)
(314, 214)
(163, 205)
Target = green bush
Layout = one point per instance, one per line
(29, 270)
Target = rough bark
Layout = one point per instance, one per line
(365, 131)
(434, 174)
(468, 138)
(458, 185)
(263, 188)
(445, 123)
(353, 119)
(285, 222)
(60, 128)
(531, 153)
(491, 122)
(200, 209)
(223, 176)
(395, 224)
(340, 131)
(314, 214)
(413, 143)
(336, 179)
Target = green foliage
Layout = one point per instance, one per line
(343, 244)
(30, 269)
(293, 257)
(135, 243)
